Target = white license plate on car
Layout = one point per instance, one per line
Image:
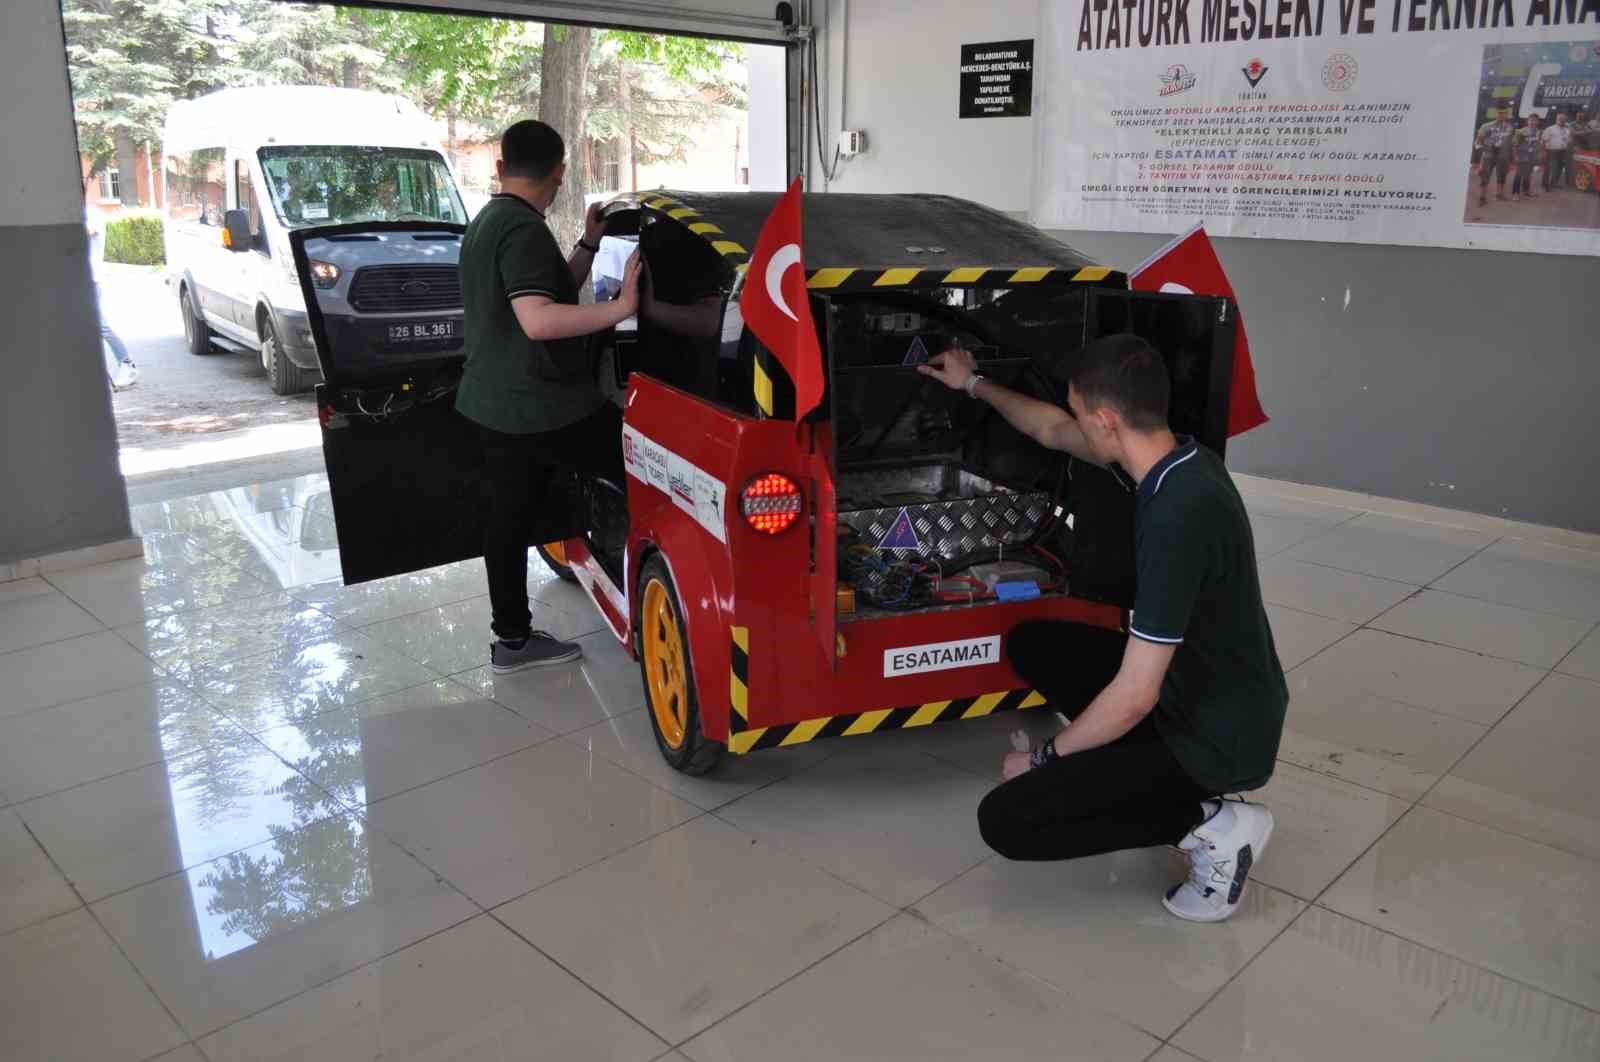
(421, 330)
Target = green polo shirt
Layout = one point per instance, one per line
(1224, 696)
(511, 383)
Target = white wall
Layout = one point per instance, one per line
(901, 85)
(769, 159)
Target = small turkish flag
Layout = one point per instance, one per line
(1189, 265)
(775, 304)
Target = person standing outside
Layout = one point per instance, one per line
(1557, 143)
(1494, 155)
(528, 384)
(1190, 704)
(1525, 149)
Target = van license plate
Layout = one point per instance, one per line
(422, 330)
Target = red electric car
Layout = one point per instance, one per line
(784, 580)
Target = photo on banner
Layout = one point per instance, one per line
(1351, 121)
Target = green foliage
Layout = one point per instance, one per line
(134, 238)
(129, 59)
(452, 64)
(687, 59)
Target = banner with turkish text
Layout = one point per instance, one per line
(1444, 123)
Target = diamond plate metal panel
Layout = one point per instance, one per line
(948, 529)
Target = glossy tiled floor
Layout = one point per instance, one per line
(249, 813)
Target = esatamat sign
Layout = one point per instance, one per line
(940, 656)
(997, 80)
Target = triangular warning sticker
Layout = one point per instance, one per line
(901, 534)
(918, 352)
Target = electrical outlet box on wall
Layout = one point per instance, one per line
(852, 142)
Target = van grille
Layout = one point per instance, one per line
(405, 289)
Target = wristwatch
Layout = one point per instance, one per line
(971, 386)
(591, 248)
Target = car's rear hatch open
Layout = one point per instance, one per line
(940, 504)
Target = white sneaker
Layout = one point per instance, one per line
(1221, 851)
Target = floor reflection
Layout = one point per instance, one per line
(305, 875)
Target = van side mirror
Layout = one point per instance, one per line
(236, 231)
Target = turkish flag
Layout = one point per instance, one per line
(1189, 265)
(775, 304)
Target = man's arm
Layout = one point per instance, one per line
(1126, 700)
(1045, 422)
(542, 318)
(1117, 709)
(581, 260)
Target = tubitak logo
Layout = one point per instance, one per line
(1254, 72)
(1177, 78)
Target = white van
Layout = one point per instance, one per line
(245, 166)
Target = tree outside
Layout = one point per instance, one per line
(624, 101)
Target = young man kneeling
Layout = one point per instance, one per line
(1196, 707)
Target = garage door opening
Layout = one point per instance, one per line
(199, 351)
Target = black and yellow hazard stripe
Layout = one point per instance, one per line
(744, 740)
(965, 276)
(701, 226)
(739, 681)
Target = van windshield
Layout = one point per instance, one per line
(323, 185)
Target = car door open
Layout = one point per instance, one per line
(384, 306)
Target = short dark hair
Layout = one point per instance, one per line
(1127, 374)
(531, 149)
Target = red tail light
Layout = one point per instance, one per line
(771, 503)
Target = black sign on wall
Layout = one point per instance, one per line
(997, 80)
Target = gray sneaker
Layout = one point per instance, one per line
(539, 649)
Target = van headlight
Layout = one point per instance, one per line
(324, 274)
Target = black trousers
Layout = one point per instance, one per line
(526, 478)
(1131, 793)
(1555, 168)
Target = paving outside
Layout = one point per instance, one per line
(181, 398)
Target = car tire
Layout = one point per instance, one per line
(562, 569)
(285, 376)
(196, 333)
(666, 667)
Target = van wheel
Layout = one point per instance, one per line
(195, 331)
(554, 555)
(286, 377)
(669, 675)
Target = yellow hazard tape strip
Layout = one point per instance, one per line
(828, 278)
(739, 677)
(762, 385)
(741, 740)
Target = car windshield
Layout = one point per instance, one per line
(339, 185)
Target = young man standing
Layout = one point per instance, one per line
(527, 383)
(1494, 155)
(1195, 708)
(1557, 143)
(1525, 148)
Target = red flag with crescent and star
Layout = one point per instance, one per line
(775, 304)
(1189, 265)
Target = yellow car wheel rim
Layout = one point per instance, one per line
(666, 675)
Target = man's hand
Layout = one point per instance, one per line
(952, 368)
(630, 284)
(1016, 763)
(594, 225)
